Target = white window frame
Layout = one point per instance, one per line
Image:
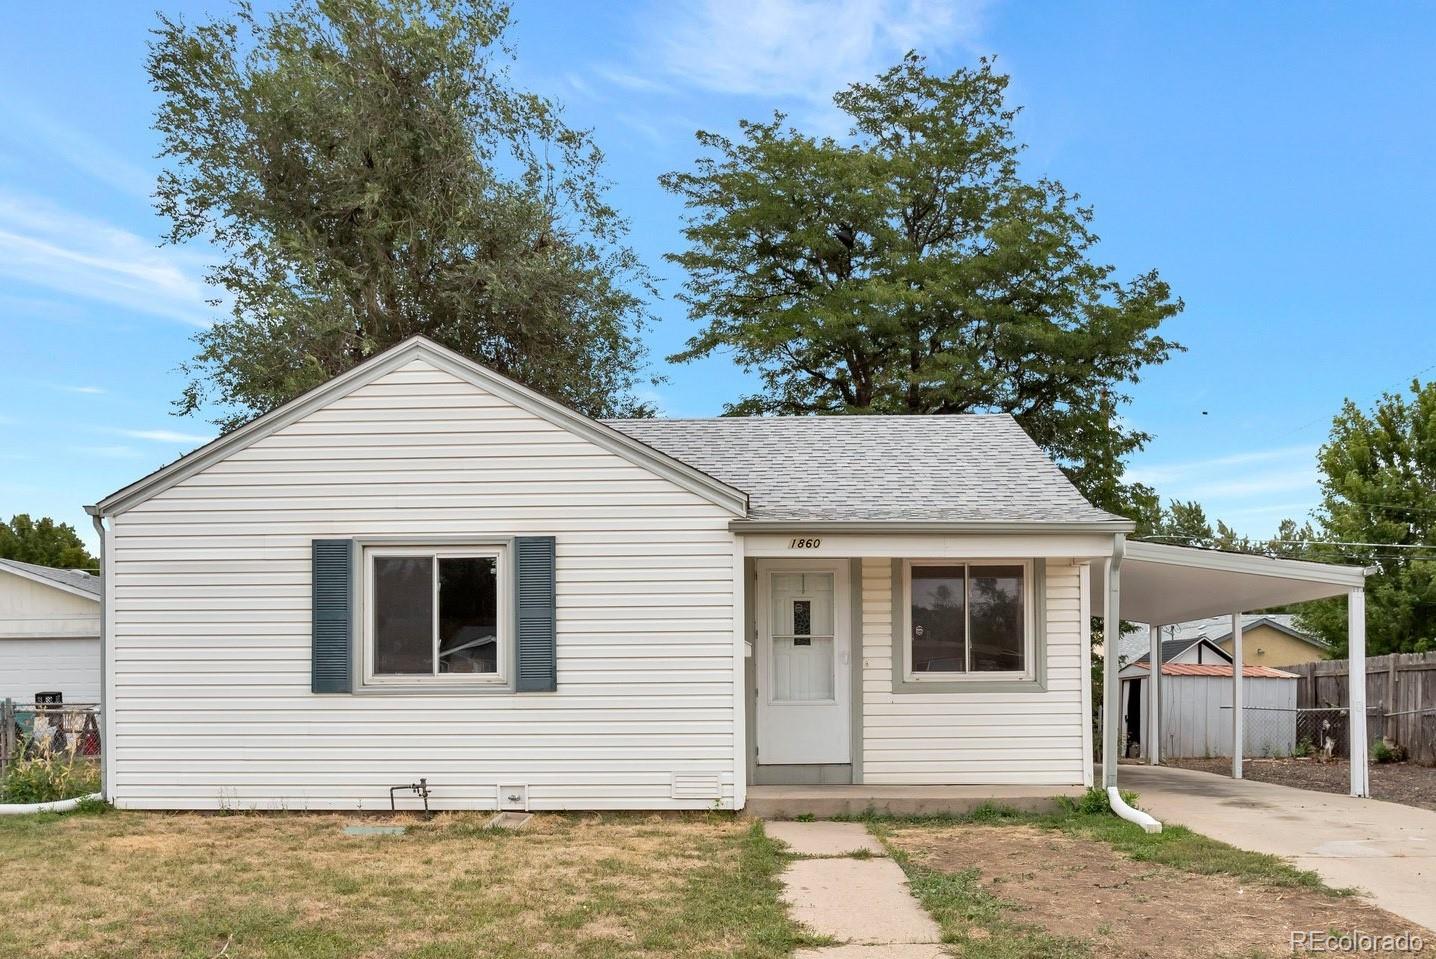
(1029, 632)
(503, 639)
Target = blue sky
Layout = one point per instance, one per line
(1272, 160)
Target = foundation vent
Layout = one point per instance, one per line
(697, 786)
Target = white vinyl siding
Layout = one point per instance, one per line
(979, 738)
(212, 707)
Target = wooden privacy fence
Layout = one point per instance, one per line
(1400, 695)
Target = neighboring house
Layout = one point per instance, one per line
(1271, 639)
(1268, 639)
(49, 633)
(422, 569)
(1192, 650)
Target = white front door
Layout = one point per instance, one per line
(804, 663)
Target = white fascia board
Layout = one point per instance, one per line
(1247, 564)
(683, 475)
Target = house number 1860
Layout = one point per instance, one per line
(804, 543)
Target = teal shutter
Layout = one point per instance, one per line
(537, 641)
(333, 626)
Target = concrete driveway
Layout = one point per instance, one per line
(1385, 849)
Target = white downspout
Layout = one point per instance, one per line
(107, 585)
(1120, 807)
(61, 805)
(1111, 630)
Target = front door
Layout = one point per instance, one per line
(804, 663)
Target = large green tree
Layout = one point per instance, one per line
(44, 542)
(370, 171)
(911, 268)
(1378, 508)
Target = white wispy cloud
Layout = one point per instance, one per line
(1156, 474)
(109, 452)
(1252, 488)
(75, 146)
(163, 436)
(45, 245)
(796, 49)
(1257, 483)
(87, 390)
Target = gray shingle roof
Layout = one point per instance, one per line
(969, 468)
(77, 578)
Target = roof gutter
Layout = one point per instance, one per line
(924, 526)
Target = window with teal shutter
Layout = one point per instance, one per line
(537, 669)
(333, 611)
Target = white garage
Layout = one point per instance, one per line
(49, 633)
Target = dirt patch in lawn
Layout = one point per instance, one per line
(1394, 782)
(1085, 891)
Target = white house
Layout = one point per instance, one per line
(422, 569)
(49, 633)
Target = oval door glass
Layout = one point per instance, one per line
(802, 630)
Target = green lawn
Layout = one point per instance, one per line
(122, 884)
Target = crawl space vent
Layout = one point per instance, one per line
(696, 786)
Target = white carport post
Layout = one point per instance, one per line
(1237, 676)
(1356, 691)
(1154, 697)
(1111, 628)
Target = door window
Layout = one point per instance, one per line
(802, 631)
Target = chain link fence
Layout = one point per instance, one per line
(1274, 732)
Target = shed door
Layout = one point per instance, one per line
(804, 665)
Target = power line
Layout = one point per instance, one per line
(1319, 419)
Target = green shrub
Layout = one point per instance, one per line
(47, 778)
(1303, 749)
(1383, 751)
(1094, 802)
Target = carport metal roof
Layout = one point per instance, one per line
(1161, 585)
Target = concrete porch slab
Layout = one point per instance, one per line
(825, 838)
(789, 802)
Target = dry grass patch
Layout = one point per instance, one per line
(160, 885)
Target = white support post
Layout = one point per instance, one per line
(1111, 692)
(1154, 698)
(1237, 671)
(1356, 694)
(741, 714)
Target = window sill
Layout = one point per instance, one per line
(970, 686)
(435, 689)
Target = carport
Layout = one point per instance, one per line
(1162, 585)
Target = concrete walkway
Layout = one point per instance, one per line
(860, 900)
(1385, 849)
